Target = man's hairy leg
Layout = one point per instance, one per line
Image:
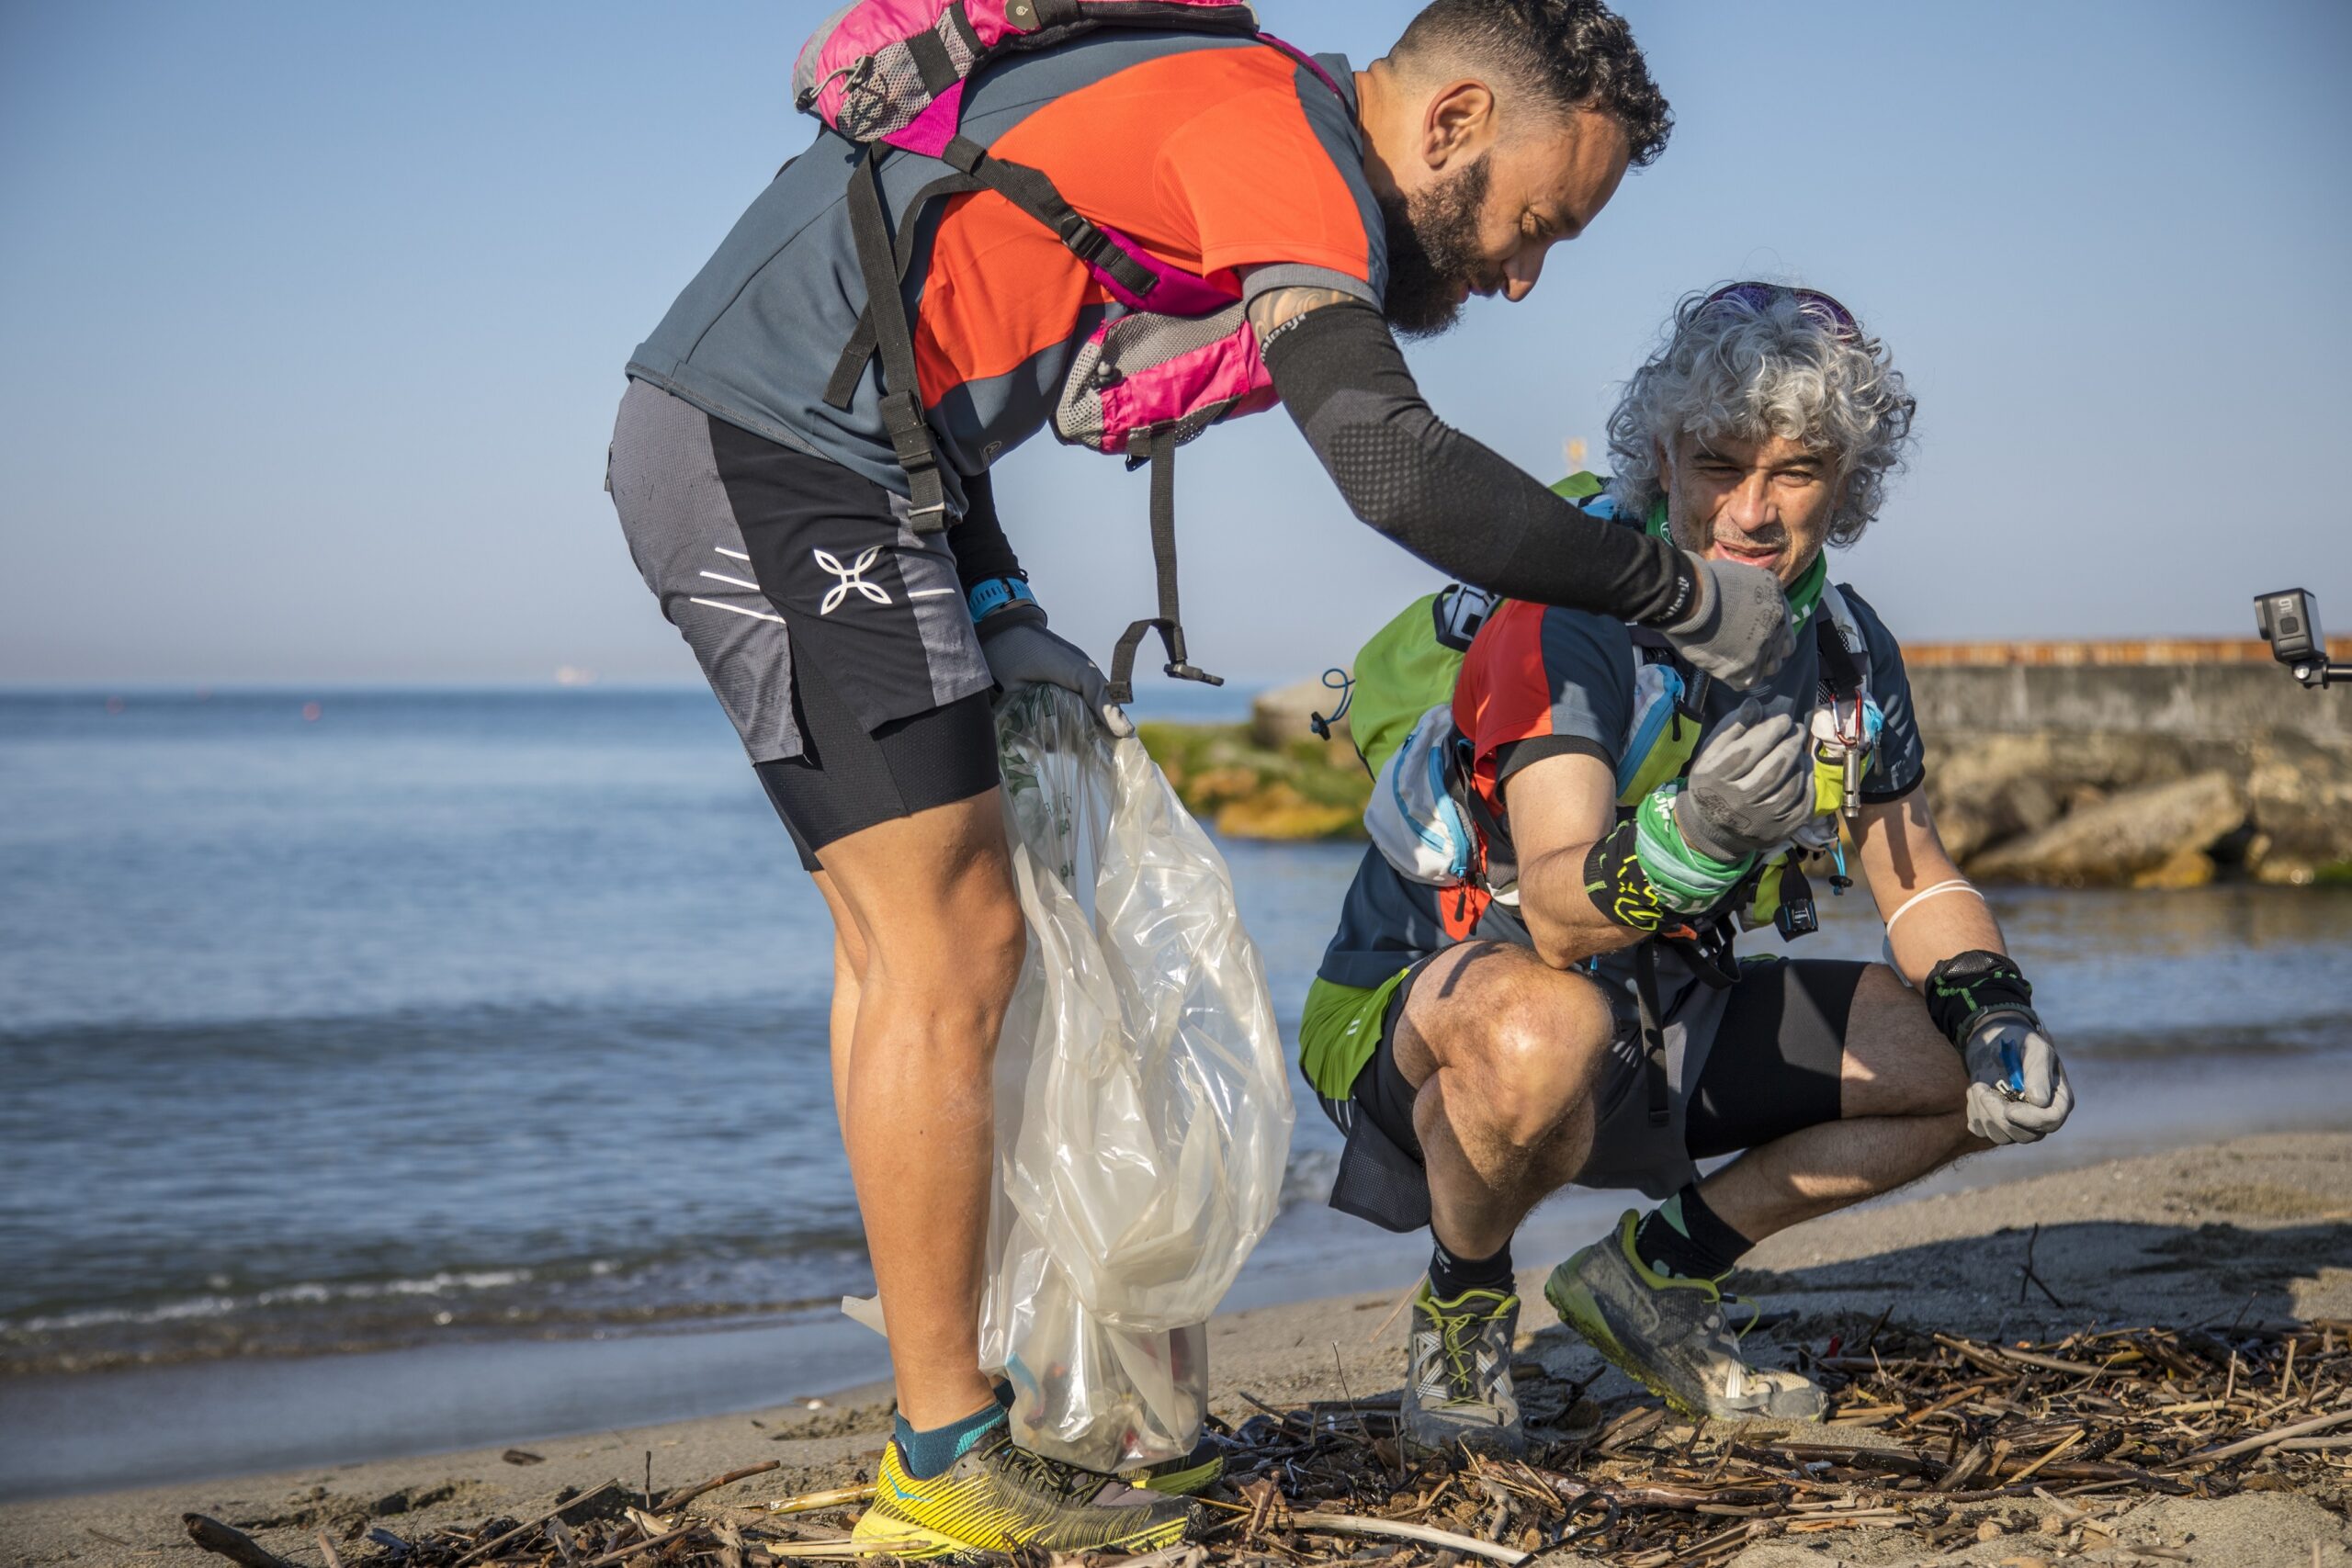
(1505, 1052)
(1902, 1096)
(849, 979)
(931, 902)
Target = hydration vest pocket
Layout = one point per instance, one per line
(1659, 744)
(1147, 371)
(1413, 818)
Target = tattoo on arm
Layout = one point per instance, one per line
(1278, 309)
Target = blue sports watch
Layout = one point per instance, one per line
(985, 599)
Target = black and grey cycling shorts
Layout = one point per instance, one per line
(835, 637)
(1774, 1064)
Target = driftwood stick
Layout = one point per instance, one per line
(2050, 1363)
(1349, 1524)
(1184, 1554)
(1856, 1454)
(810, 1502)
(486, 1548)
(835, 1551)
(233, 1544)
(685, 1494)
(2247, 1446)
(2026, 1276)
(621, 1554)
(327, 1550)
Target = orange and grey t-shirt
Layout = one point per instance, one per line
(1214, 154)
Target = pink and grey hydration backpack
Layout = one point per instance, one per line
(892, 74)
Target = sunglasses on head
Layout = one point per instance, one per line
(1811, 302)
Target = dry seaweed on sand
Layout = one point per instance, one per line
(1942, 1439)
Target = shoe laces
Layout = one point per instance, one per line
(1457, 1334)
(1718, 1322)
(1066, 1482)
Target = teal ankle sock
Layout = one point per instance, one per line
(925, 1454)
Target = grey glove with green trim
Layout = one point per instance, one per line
(2017, 1091)
(1752, 785)
(1021, 652)
(1738, 632)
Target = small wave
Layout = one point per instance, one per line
(103, 1317)
(307, 1292)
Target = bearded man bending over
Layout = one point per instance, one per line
(1570, 1011)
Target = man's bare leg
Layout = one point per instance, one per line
(1504, 1051)
(1902, 1096)
(1645, 1297)
(932, 904)
(849, 978)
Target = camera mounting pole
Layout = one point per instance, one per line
(2321, 674)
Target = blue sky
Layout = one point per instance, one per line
(317, 316)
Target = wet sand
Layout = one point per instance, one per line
(2257, 1229)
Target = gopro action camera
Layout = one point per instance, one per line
(2290, 619)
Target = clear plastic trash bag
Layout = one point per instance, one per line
(1143, 1105)
(1143, 1114)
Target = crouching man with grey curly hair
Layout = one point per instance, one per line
(1569, 1008)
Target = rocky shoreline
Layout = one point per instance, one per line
(2243, 789)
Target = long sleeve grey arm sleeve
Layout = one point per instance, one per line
(1462, 507)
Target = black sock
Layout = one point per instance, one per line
(1684, 1236)
(1450, 1274)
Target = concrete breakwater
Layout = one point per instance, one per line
(2202, 690)
(2148, 764)
(2157, 764)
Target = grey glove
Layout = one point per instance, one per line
(1738, 631)
(1021, 652)
(2017, 1091)
(1752, 785)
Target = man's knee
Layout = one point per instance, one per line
(936, 907)
(989, 936)
(1897, 1062)
(1535, 1061)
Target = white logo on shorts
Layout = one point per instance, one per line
(852, 577)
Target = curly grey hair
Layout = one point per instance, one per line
(1733, 366)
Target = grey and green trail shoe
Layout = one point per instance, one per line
(1457, 1384)
(1670, 1335)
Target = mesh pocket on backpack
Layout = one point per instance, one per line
(1140, 347)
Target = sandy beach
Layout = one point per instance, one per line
(2254, 1229)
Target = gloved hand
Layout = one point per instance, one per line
(2017, 1091)
(1021, 652)
(1751, 785)
(1738, 632)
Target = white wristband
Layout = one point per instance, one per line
(1959, 884)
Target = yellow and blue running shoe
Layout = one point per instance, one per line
(998, 1497)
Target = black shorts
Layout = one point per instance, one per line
(1774, 1066)
(836, 637)
(846, 779)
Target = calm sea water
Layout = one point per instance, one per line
(443, 1016)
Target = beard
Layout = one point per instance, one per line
(1433, 250)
